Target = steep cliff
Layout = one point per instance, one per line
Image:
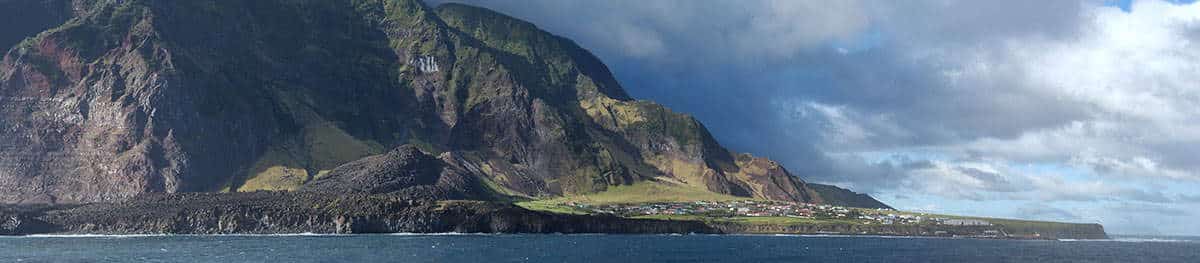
(136, 96)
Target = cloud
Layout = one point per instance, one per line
(1055, 189)
(988, 180)
(1037, 210)
(1137, 166)
(717, 30)
(1116, 98)
(971, 181)
(1133, 74)
(1186, 198)
(1140, 209)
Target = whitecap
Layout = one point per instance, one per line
(1132, 240)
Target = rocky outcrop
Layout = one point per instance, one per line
(25, 219)
(403, 171)
(149, 96)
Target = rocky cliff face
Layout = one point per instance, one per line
(136, 96)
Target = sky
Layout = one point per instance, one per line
(1070, 110)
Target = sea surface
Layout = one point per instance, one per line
(585, 248)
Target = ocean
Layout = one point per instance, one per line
(585, 248)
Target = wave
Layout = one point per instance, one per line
(844, 236)
(288, 235)
(172, 235)
(91, 236)
(440, 234)
(1133, 240)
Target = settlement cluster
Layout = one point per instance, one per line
(760, 208)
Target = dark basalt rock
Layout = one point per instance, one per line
(403, 171)
(25, 219)
(317, 212)
(312, 212)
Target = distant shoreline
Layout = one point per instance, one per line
(286, 235)
(310, 213)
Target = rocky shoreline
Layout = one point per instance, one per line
(314, 212)
(305, 212)
(403, 191)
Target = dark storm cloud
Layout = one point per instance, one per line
(970, 22)
(915, 92)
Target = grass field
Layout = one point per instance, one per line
(663, 192)
(1008, 223)
(648, 192)
(552, 207)
(764, 220)
(642, 192)
(667, 192)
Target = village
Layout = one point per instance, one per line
(759, 208)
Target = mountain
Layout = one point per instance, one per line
(103, 100)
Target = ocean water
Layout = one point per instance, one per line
(585, 248)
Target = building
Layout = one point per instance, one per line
(966, 222)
